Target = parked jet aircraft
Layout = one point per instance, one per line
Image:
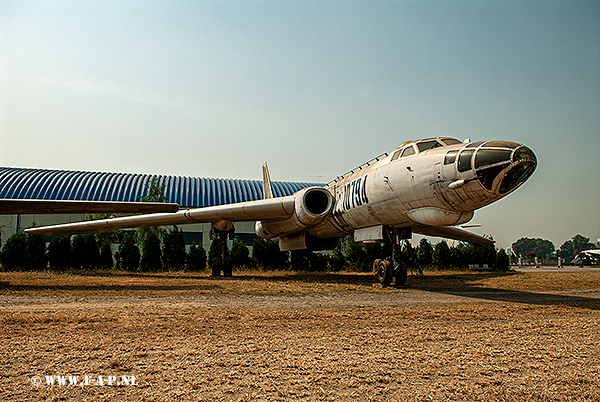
(587, 257)
(425, 186)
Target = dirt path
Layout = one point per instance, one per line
(399, 297)
(369, 344)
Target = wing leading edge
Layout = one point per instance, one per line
(36, 206)
(270, 209)
(451, 232)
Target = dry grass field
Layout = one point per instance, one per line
(286, 336)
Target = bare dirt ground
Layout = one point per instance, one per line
(284, 336)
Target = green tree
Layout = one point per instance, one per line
(355, 255)
(23, 251)
(267, 255)
(540, 247)
(502, 261)
(485, 254)
(336, 260)
(174, 248)
(457, 256)
(408, 254)
(441, 255)
(14, 252)
(425, 253)
(240, 255)
(129, 253)
(156, 192)
(570, 248)
(106, 258)
(59, 252)
(36, 259)
(196, 258)
(215, 249)
(151, 260)
(86, 253)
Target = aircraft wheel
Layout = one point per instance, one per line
(385, 272)
(401, 274)
(216, 266)
(376, 266)
(228, 267)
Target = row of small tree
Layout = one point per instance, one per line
(159, 249)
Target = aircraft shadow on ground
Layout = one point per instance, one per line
(466, 285)
(526, 297)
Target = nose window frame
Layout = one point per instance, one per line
(464, 160)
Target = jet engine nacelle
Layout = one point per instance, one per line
(311, 206)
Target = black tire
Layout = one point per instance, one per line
(376, 266)
(385, 272)
(401, 274)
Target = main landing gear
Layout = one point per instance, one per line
(393, 269)
(222, 263)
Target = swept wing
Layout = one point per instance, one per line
(26, 206)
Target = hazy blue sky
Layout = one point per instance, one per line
(214, 88)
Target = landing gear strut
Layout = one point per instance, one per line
(393, 267)
(223, 262)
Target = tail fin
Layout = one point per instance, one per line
(267, 188)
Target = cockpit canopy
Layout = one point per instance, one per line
(511, 162)
(414, 147)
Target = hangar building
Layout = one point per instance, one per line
(188, 192)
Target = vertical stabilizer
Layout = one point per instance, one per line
(267, 189)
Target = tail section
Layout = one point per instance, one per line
(267, 188)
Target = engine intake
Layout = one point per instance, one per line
(311, 205)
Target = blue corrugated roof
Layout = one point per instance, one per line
(48, 184)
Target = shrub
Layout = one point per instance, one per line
(106, 257)
(174, 248)
(14, 252)
(502, 261)
(129, 253)
(36, 259)
(267, 255)
(196, 258)
(59, 252)
(85, 251)
(441, 255)
(425, 253)
(151, 252)
(23, 251)
(240, 255)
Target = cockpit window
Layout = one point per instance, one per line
(523, 153)
(395, 156)
(425, 145)
(450, 141)
(474, 144)
(408, 151)
(485, 157)
(450, 157)
(464, 160)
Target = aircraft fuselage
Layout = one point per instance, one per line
(429, 182)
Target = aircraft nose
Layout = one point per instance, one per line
(521, 169)
(502, 166)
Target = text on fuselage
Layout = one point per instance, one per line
(354, 194)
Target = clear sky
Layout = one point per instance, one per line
(214, 88)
